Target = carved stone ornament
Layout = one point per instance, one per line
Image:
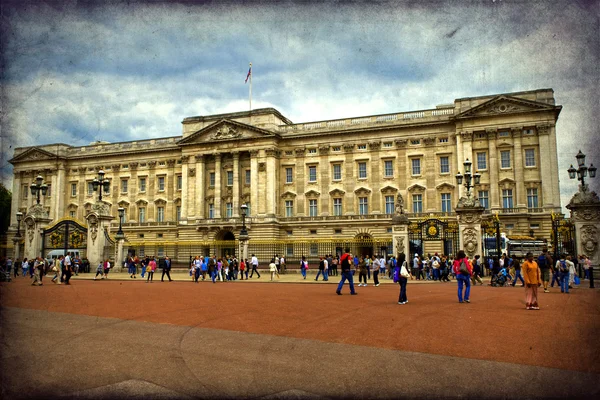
(262, 166)
(192, 172)
(470, 217)
(401, 142)
(468, 202)
(93, 227)
(324, 149)
(589, 239)
(399, 204)
(348, 148)
(584, 197)
(30, 229)
(271, 152)
(199, 158)
(171, 163)
(374, 145)
(429, 141)
(585, 214)
(116, 167)
(151, 164)
(542, 129)
(37, 211)
(399, 245)
(502, 108)
(470, 241)
(226, 132)
(101, 208)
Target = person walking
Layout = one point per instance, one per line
(403, 275)
(273, 269)
(463, 270)
(68, 270)
(545, 264)
(25, 266)
(150, 270)
(99, 271)
(346, 261)
(303, 267)
(517, 266)
(166, 264)
(106, 267)
(37, 266)
(533, 278)
(321, 268)
(362, 272)
(563, 270)
(132, 269)
(476, 271)
(56, 269)
(333, 267)
(375, 268)
(254, 262)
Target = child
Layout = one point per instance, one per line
(273, 269)
(99, 271)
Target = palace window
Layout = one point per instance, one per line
(289, 208)
(211, 211)
(142, 184)
(248, 175)
(362, 170)
(25, 191)
(107, 190)
(505, 159)
(124, 185)
(124, 218)
(507, 198)
(484, 199)
(337, 206)
(387, 144)
(388, 168)
(416, 166)
(288, 175)
(161, 163)
(444, 165)
(504, 133)
(160, 214)
(211, 179)
(532, 198)
(415, 141)
(142, 214)
(49, 191)
(389, 204)
(481, 161)
(73, 189)
(229, 210)
(417, 200)
(337, 148)
(337, 172)
(161, 183)
(312, 173)
(312, 151)
(362, 147)
(90, 188)
(72, 214)
(363, 206)
(443, 140)
(289, 250)
(179, 182)
(314, 249)
(229, 178)
(446, 202)
(312, 208)
(178, 213)
(529, 157)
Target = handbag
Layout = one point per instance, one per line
(54, 269)
(576, 280)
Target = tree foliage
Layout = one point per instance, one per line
(5, 203)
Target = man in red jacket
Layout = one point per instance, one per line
(345, 261)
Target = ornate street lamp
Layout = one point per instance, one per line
(244, 208)
(581, 171)
(468, 177)
(19, 219)
(38, 187)
(100, 183)
(120, 234)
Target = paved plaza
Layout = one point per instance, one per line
(123, 338)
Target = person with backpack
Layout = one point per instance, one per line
(345, 262)
(401, 276)
(303, 266)
(533, 276)
(562, 267)
(463, 270)
(544, 262)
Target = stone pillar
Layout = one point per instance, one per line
(469, 213)
(59, 191)
(17, 247)
(400, 224)
(243, 251)
(184, 189)
(254, 181)
(217, 185)
(119, 260)
(200, 182)
(521, 201)
(16, 198)
(35, 221)
(548, 168)
(493, 168)
(585, 213)
(98, 220)
(271, 180)
(236, 184)
(170, 189)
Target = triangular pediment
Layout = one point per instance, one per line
(362, 190)
(416, 187)
(445, 186)
(226, 130)
(336, 193)
(389, 189)
(503, 104)
(34, 154)
(288, 195)
(505, 181)
(312, 193)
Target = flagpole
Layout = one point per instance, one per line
(250, 86)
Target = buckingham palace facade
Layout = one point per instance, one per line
(337, 178)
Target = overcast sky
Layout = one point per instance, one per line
(75, 71)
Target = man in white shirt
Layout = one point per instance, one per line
(67, 264)
(254, 262)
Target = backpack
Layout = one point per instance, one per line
(463, 269)
(541, 261)
(563, 266)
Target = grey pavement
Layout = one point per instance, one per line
(48, 355)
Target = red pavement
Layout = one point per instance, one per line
(494, 326)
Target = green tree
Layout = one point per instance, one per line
(5, 203)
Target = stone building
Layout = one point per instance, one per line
(310, 181)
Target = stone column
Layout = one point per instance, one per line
(349, 180)
(218, 185)
(35, 221)
(300, 179)
(132, 190)
(59, 191)
(493, 169)
(16, 198)
(585, 212)
(469, 213)
(254, 181)
(548, 168)
(236, 184)
(184, 189)
(151, 191)
(243, 250)
(17, 248)
(119, 260)
(98, 220)
(518, 169)
(200, 184)
(170, 189)
(271, 181)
